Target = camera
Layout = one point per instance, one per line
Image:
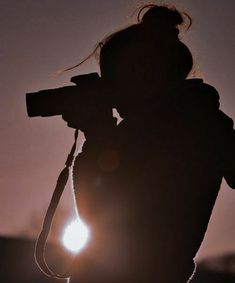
(62, 100)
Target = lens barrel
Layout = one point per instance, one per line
(50, 102)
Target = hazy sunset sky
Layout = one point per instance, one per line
(40, 37)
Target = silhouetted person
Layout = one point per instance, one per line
(147, 186)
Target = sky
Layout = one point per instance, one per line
(38, 38)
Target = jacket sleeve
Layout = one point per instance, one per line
(228, 148)
(223, 127)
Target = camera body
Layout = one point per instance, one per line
(87, 95)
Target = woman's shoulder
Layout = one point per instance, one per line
(202, 101)
(196, 94)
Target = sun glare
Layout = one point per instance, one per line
(76, 236)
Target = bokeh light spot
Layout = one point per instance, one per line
(76, 236)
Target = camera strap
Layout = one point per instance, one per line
(40, 246)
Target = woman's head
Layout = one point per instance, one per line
(148, 52)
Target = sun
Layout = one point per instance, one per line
(76, 236)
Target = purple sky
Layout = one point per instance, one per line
(40, 37)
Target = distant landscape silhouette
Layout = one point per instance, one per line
(147, 186)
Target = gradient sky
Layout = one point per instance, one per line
(40, 37)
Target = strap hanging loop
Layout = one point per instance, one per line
(40, 246)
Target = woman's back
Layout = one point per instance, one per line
(149, 188)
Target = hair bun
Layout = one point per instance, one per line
(162, 15)
(162, 20)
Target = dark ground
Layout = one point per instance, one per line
(18, 266)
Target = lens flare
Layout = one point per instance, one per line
(76, 236)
